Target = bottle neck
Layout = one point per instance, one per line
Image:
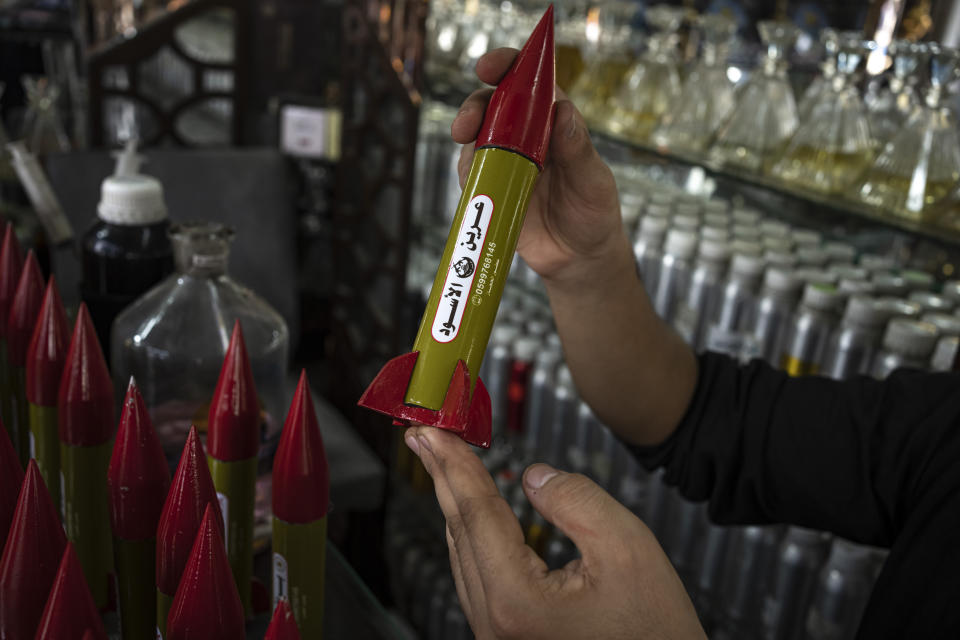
(201, 249)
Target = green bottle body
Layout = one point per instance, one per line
(472, 273)
(86, 513)
(136, 564)
(235, 482)
(299, 571)
(45, 447)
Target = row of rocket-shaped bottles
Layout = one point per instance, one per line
(182, 569)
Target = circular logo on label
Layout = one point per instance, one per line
(464, 267)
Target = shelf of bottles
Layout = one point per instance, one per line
(873, 136)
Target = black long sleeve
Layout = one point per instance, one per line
(874, 462)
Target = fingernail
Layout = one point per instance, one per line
(412, 443)
(538, 475)
(572, 128)
(425, 443)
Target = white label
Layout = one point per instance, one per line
(33, 446)
(462, 269)
(309, 132)
(280, 580)
(225, 511)
(723, 341)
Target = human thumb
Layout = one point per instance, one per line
(582, 510)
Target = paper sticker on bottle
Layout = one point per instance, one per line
(280, 581)
(225, 510)
(462, 269)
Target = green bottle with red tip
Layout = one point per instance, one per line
(46, 355)
(85, 420)
(21, 321)
(207, 605)
(11, 479)
(283, 626)
(233, 440)
(11, 264)
(301, 499)
(183, 510)
(138, 481)
(70, 613)
(30, 558)
(436, 384)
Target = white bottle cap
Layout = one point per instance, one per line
(131, 200)
(714, 233)
(805, 237)
(746, 215)
(917, 280)
(812, 256)
(951, 289)
(715, 206)
(781, 279)
(631, 205)
(889, 284)
(874, 262)
(746, 232)
(687, 209)
(653, 226)
(849, 286)
(746, 247)
(775, 243)
(746, 264)
(715, 250)
(910, 337)
(945, 353)
(504, 333)
(945, 323)
(663, 198)
(775, 229)
(931, 301)
(820, 296)
(686, 222)
(780, 258)
(898, 308)
(848, 272)
(840, 251)
(659, 210)
(525, 348)
(681, 243)
(816, 276)
(863, 311)
(721, 220)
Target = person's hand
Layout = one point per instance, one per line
(574, 214)
(622, 586)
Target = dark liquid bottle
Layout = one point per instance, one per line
(126, 251)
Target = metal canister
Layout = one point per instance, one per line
(716, 206)
(873, 262)
(811, 256)
(805, 238)
(775, 305)
(495, 371)
(951, 290)
(815, 320)
(703, 292)
(685, 222)
(713, 232)
(791, 587)
(852, 345)
(814, 275)
(842, 591)
(931, 302)
(539, 401)
(746, 216)
(604, 456)
(725, 332)
(563, 417)
(524, 353)
(850, 287)
(780, 258)
(675, 268)
(898, 308)
(749, 233)
(846, 271)
(718, 220)
(945, 354)
(648, 250)
(918, 280)
(708, 569)
(889, 284)
(751, 555)
(576, 443)
(840, 252)
(775, 229)
(906, 343)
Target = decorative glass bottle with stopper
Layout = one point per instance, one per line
(174, 338)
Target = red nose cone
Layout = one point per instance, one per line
(11, 478)
(190, 493)
(23, 311)
(85, 401)
(234, 426)
(138, 479)
(283, 626)
(70, 612)
(30, 558)
(207, 605)
(301, 487)
(11, 264)
(47, 351)
(520, 113)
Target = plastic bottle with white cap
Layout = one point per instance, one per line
(648, 250)
(852, 346)
(775, 304)
(675, 268)
(126, 251)
(703, 292)
(945, 352)
(726, 330)
(906, 343)
(816, 317)
(931, 302)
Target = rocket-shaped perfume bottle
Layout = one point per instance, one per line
(436, 384)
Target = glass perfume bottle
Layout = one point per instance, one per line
(606, 67)
(42, 128)
(707, 98)
(889, 108)
(652, 85)
(833, 147)
(173, 339)
(766, 113)
(828, 69)
(921, 165)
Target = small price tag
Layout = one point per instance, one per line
(310, 132)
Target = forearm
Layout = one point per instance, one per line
(628, 365)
